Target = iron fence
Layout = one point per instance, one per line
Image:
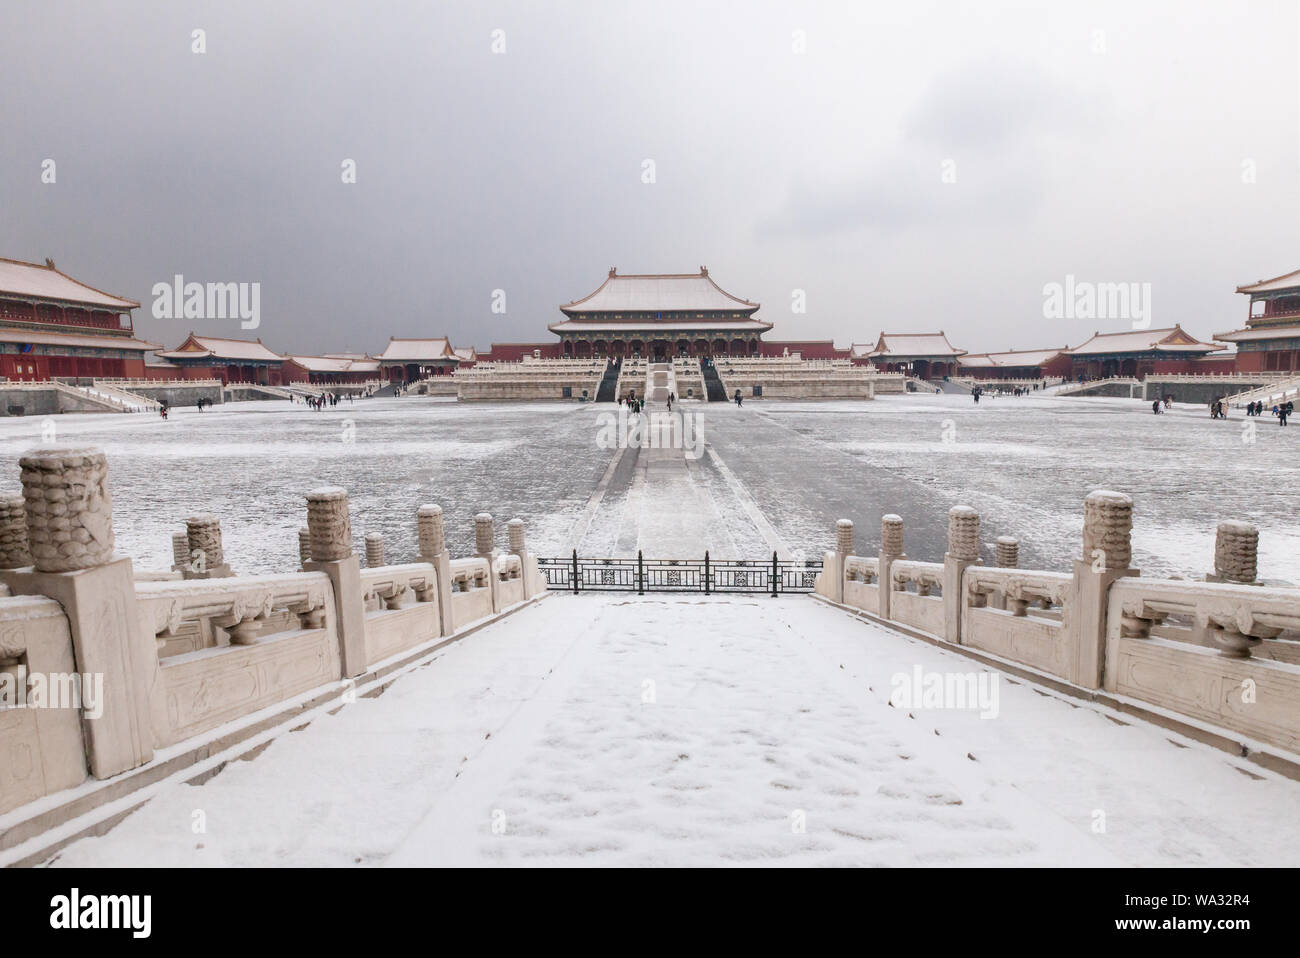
(773, 576)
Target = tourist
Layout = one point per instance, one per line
(739, 399)
(1286, 411)
(1155, 407)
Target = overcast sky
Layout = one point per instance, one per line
(1115, 142)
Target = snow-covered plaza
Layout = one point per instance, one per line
(774, 476)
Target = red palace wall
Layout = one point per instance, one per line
(515, 352)
(807, 348)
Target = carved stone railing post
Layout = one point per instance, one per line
(515, 534)
(69, 518)
(374, 550)
(180, 551)
(891, 550)
(1008, 552)
(304, 546)
(963, 551)
(1107, 556)
(1007, 557)
(843, 549)
(433, 549)
(14, 553)
(485, 547)
(329, 528)
(207, 559)
(1236, 551)
(484, 535)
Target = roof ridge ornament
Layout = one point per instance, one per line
(613, 271)
(704, 271)
(49, 263)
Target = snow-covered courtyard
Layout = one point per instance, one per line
(774, 476)
(674, 731)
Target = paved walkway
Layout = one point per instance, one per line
(688, 731)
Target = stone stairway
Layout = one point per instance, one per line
(607, 391)
(658, 383)
(713, 388)
(1275, 392)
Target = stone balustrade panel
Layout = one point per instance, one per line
(262, 640)
(1023, 631)
(862, 583)
(921, 605)
(42, 751)
(1210, 651)
(401, 608)
(471, 590)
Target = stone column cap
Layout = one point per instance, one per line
(328, 493)
(429, 510)
(1109, 495)
(1008, 540)
(963, 511)
(1238, 527)
(58, 454)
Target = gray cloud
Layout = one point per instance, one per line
(778, 170)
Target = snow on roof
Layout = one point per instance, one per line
(202, 347)
(1260, 332)
(413, 350)
(915, 344)
(45, 282)
(466, 353)
(1287, 281)
(336, 364)
(1170, 339)
(1012, 357)
(648, 292)
(666, 327)
(75, 339)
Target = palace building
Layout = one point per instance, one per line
(658, 316)
(230, 360)
(1270, 341)
(1018, 364)
(406, 360)
(53, 326)
(923, 355)
(335, 370)
(1139, 353)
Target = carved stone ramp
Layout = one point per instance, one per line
(611, 730)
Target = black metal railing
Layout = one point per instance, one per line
(641, 575)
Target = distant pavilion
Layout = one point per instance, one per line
(230, 360)
(1270, 341)
(923, 355)
(658, 316)
(1017, 364)
(1139, 353)
(338, 369)
(406, 360)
